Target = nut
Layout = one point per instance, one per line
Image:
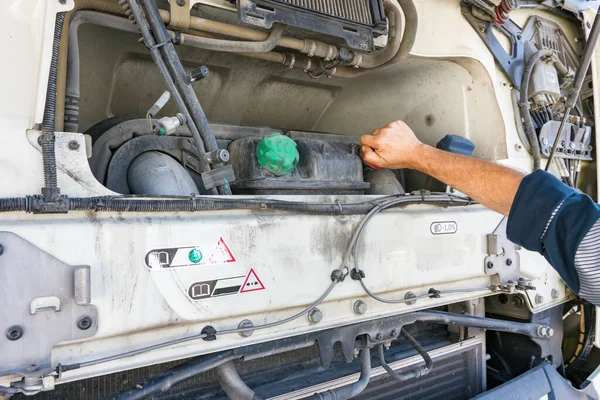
(359, 307)
(315, 316)
(539, 299)
(508, 262)
(545, 331)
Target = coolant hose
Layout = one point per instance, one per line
(232, 384)
(524, 106)
(50, 190)
(348, 392)
(232, 46)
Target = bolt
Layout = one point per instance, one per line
(508, 262)
(545, 140)
(588, 24)
(545, 331)
(379, 336)
(315, 316)
(482, 28)
(490, 265)
(359, 307)
(73, 145)
(245, 324)
(410, 295)
(539, 299)
(13, 333)
(555, 294)
(181, 3)
(84, 323)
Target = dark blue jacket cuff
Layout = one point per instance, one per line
(539, 194)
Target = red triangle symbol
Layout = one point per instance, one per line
(252, 283)
(223, 254)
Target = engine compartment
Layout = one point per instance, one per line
(169, 260)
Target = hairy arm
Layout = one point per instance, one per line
(396, 146)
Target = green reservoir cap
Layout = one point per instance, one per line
(277, 154)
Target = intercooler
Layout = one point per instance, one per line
(355, 21)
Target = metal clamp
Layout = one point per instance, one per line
(503, 259)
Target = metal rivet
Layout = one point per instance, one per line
(13, 333)
(315, 316)
(539, 299)
(490, 265)
(84, 323)
(410, 295)
(359, 307)
(508, 262)
(73, 145)
(245, 324)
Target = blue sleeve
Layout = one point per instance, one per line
(552, 219)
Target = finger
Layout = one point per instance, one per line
(370, 157)
(369, 140)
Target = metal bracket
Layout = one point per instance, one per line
(512, 64)
(575, 143)
(218, 177)
(503, 258)
(38, 306)
(180, 14)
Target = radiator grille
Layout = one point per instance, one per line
(352, 10)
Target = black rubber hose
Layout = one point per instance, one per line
(524, 106)
(348, 392)
(413, 373)
(166, 380)
(50, 190)
(231, 383)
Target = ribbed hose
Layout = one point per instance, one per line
(127, 9)
(47, 140)
(12, 204)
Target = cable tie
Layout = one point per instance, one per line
(435, 294)
(177, 38)
(159, 45)
(339, 205)
(357, 274)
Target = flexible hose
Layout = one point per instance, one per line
(233, 46)
(524, 106)
(231, 383)
(413, 373)
(518, 121)
(47, 140)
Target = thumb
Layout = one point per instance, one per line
(370, 157)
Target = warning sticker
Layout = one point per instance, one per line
(252, 283)
(225, 287)
(204, 254)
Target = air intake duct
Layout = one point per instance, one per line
(356, 21)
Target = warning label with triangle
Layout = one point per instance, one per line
(252, 283)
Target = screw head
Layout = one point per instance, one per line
(410, 295)
(73, 145)
(359, 307)
(315, 316)
(539, 299)
(181, 3)
(84, 323)
(245, 324)
(13, 333)
(490, 265)
(508, 262)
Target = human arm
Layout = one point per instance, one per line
(396, 146)
(545, 215)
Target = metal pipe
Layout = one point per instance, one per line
(232, 384)
(413, 373)
(166, 380)
(179, 76)
(584, 64)
(441, 317)
(232, 46)
(348, 392)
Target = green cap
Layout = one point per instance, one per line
(195, 255)
(277, 154)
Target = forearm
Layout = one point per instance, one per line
(490, 184)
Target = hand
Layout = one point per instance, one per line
(395, 146)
